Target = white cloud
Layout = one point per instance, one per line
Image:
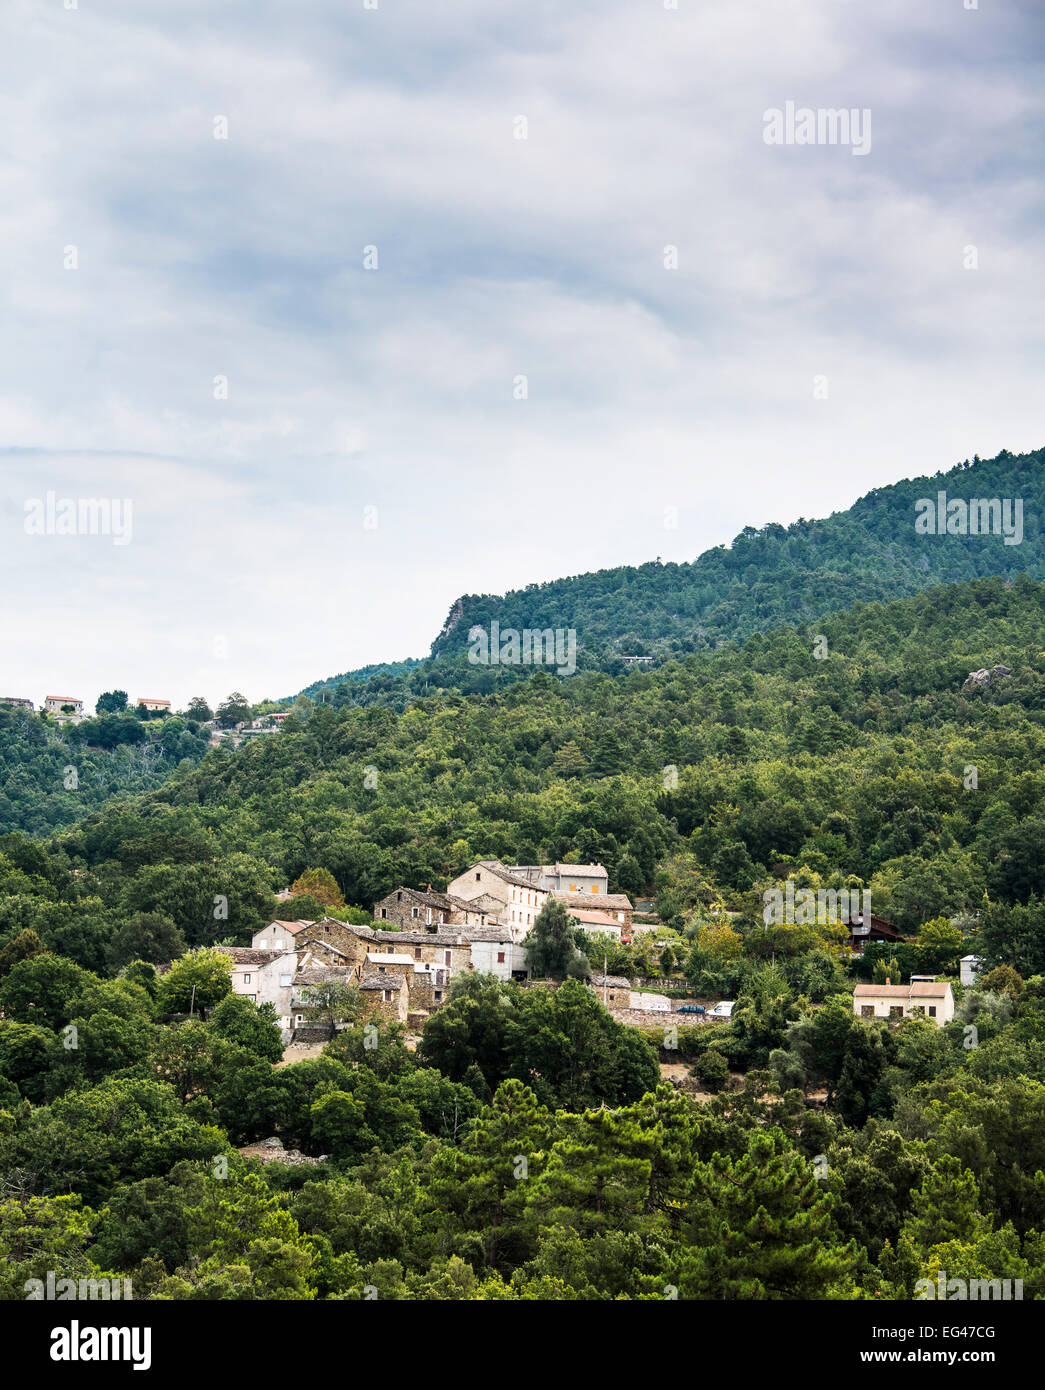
(201, 258)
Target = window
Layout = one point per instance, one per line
(246, 979)
(413, 912)
(384, 912)
(284, 981)
(896, 1011)
(932, 1010)
(594, 888)
(500, 957)
(867, 1011)
(478, 877)
(449, 957)
(387, 993)
(573, 888)
(399, 897)
(263, 945)
(252, 997)
(439, 994)
(417, 953)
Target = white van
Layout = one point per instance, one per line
(723, 1009)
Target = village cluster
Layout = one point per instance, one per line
(421, 939)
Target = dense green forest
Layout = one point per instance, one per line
(50, 774)
(709, 776)
(528, 1148)
(767, 577)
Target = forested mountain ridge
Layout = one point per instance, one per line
(706, 778)
(767, 577)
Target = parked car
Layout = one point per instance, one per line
(724, 1009)
(691, 1009)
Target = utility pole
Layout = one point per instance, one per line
(605, 982)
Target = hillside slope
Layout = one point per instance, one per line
(766, 578)
(704, 778)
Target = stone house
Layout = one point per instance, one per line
(64, 709)
(612, 989)
(361, 951)
(428, 987)
(386, 996)
(411, 908)
(448, 949)
(520, 899)
(327, 936)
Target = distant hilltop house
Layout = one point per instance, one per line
(17, 701)
(924, 997)
(64, 706)
(163, 706)
(246, 730)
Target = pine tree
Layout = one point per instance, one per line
(553, 954)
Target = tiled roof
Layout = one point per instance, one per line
(443, 936)
(320, 974)
(503, 871)
(292, 927)
(581, 870)
(429, 898)
(355, 928)
(594, 900)
(487, 934)
(247, 955)
(376, 981)
(611, 981)
(919, 989)
(594, 918)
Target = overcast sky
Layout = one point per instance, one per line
(254, 562)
